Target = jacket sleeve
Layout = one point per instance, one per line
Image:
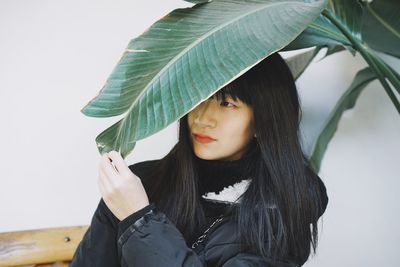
(154, 241)
(98, 246)
(251, 260)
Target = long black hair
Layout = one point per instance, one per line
(279, 211)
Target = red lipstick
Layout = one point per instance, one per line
(204, 139)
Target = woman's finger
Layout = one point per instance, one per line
(107, 168)
(119, 162)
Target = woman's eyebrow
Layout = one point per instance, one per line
(224, 97)
(234, 99)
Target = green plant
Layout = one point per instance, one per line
(189, 54)
(357, 26)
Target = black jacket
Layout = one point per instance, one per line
(147, 238)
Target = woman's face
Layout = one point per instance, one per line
(228, 123)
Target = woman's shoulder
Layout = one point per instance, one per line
(144, 169)
(144, 166)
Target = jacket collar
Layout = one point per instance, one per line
(226, 181)
(230, 194)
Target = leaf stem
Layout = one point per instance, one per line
(366, 55)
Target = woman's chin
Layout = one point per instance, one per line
(204, 155)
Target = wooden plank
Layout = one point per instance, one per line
(48, 245)
(55, 264)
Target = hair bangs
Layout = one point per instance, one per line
(237, 90)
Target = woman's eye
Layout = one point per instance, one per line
(226, 104)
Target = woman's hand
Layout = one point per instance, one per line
(122, 190)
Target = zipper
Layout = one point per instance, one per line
(204, 235)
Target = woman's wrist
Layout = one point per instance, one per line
(128, 221)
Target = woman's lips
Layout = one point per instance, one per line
(204, 139)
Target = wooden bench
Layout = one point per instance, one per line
(42, 247)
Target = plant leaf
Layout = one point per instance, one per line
(387, 71)
(185, 57)
(341, 24)
(381, 26)
(368, 56)
(198, 1)
(332, 49)
(298, 63)
(349, 12)
(320, 33)
(376, 23)
(347, 101)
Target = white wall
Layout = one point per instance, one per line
(55, 57)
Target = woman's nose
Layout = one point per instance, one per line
(204, 116)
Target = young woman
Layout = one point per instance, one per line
(236, 189)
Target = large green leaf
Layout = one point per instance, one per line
(347, 101)
(320, 33)
(188, 55)
(381, 26)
